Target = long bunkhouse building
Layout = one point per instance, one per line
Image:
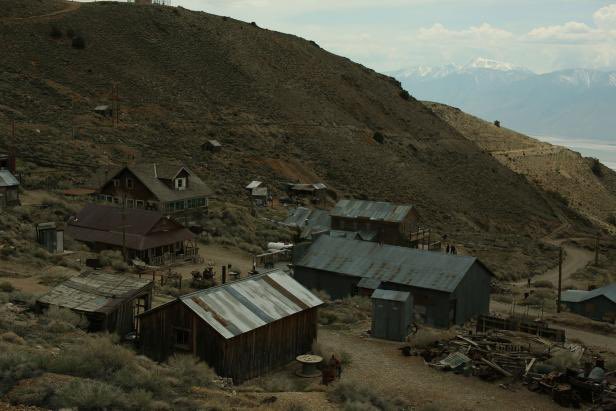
(147, 235)
(376, 220)
(165, 188)
(241, 329)
(446, 289)
(598, 304)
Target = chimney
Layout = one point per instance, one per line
(155, 172)
(224, 274)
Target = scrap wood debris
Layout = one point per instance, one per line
(520, 357)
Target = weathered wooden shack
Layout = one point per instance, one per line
(598, 304)
(376, 220)
(447, 289)
(9, 189)
(109, 302)
(241, 329)
(50, 237)
(147, 235)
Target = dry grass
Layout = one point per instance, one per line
(358, 396)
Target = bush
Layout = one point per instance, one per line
(78, 43)
(63, 315)
(55, 32)
(6, 287)
(405, 95)
(190, 372)
(109, 258)
(596, 168)
(379, 137)
(356, 396)
(88, 394)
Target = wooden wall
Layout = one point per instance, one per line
(243, 357)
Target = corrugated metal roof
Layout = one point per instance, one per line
(369, 283)
(390, 295)
(95, 291)
(576, 296)
(242, 306)
(7, 179)
(373, 210)
(253, 184)
(387, 263)
(306, 217)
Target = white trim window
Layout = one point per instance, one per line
(180, 183)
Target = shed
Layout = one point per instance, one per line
(109, 301)
(50, 237)
(598, 304)
(104, 110)
(212, 145)
(9, 189)
(253, 185)
(392, 314)
(242, 329)
(447, 289)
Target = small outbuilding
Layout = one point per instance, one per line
(109, 302)
(213, 146)
(9, 189)
(392, 314)
(103, 110)
(50, 237)
(241, 329)
(598, 304)
(447, 289)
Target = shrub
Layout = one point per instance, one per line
(88, 394)
(595, 166)
(503, 298)
(356, 396)
(17, 364)
(78, 43)
(405, 95)
(64, 315)
(379, 137)
(55, 32)
(6, 287)
(190, 372)
(110, 258)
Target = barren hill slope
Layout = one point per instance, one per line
(283, 108)
(588, 186)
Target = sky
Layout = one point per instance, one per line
(387, 35)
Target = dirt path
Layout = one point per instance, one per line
(70, 7)
(379, 364)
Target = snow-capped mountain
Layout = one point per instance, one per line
(575, 102)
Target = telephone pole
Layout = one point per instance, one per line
(597, 250)
(124, 254)
(560, 277)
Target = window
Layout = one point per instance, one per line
(129, 183)
(109, 199)
(201, 202)
(116, 200)
(179, 205)
(116, 182)
(180, 183)
(130, 203)
(140, 204)
(182, 338)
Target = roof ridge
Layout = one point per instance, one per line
(239, 280)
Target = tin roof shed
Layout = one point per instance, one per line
(7, 179)
(372, 210)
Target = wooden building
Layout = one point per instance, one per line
(9, 189)
(213, 146)
(376, 221)
(598, 304)
(241, 329)
(166, 188)
(446, 289)
(50, 237)
(147, 235)
(109, 302)
(315, 193)
(104, 110)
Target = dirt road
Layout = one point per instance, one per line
(70, 7)
(380, 364)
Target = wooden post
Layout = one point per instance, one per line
(560, 277)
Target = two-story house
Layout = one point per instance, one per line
(165, 188)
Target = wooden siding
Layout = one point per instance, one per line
(243, 357)
(138, 191)
(392, 233)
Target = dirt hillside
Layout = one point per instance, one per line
(282, 107)
(585, 185)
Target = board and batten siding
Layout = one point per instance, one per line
(245, 356)
(472, 295)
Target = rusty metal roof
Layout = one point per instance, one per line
(96, 291)
(387, 263)
(245, 305)
(373, 210)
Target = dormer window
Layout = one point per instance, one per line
(180, 183)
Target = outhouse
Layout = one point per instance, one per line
(391, 314)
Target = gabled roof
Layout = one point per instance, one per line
(576, 296)
(308, 217)
(153, 176)
(387, 263)
(96, 291)
(253, 184)
(235, 308)
(308, 187)
(7, 179)
(104, 224)
(373, 210)
(390, 295)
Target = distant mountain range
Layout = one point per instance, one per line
(577, 103)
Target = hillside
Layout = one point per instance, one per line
(587, 186)
(282, 107)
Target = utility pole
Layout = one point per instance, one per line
(560, 277)
(597, 250)
(124, 254)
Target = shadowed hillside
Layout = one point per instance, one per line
(282, 107)
(585, 184)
